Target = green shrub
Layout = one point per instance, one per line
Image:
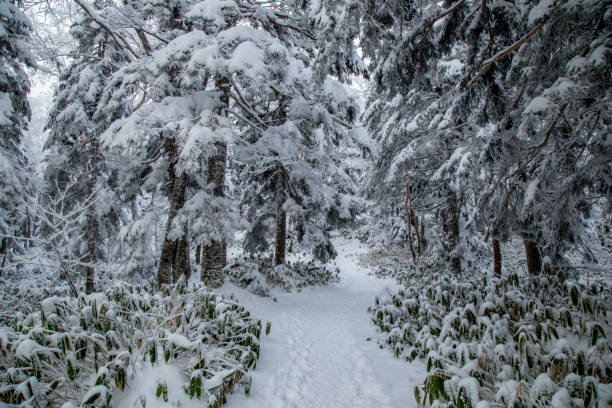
(259, 274)
(512, 341)
(83, 351)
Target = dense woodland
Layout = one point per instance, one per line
(190, 143)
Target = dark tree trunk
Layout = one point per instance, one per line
(451, 228)
(497, 260)
(409, 215)
(92, 227)
(4, 252)
(197, 254)
(280, 238)
(91, 235)
(291, 238)
(181, 265)
(165, 273)
(422, 241)
(281, 234)
(214, 256)
(534, 263)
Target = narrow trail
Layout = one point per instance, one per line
(317, 354)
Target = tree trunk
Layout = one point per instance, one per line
(92, 225)
(214, 256)
(451, 228)
(291, 238)
(181, 265)
(281, 188)
(4, 251)
(422, 241)
(534, 263)
(91, 235)
(407, 205)
(497, 261)
(281, 233)
(197, 254)
(165, 273)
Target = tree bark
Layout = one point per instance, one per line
(92, 222)
(407, 205)
(165, 273)
(92, 225)
(422, 241)
(181, 265)
(451, 228)
(281, 233)
(197, 254)
(280, 240)
(291, 238)
(497, 260)
(214, 256)
(4, 251)
(534, 263)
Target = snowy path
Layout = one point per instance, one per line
(317, 354)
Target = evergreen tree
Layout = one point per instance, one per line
(228, 74)
(465, 101)
(15, 112)
(76, 168)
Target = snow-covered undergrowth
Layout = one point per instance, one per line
(92, 350)
(259, 274)
(511, 341)
(14, 290)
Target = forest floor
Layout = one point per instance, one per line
(322, 349)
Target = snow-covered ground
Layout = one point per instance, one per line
(318, 355)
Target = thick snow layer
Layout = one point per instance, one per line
(317, 354)
(144, 385)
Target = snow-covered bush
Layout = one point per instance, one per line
(84, 351)
(259, 274)
(512, 342)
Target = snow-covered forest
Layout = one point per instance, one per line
(305, 203)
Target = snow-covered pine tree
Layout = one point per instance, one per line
(155, 134)
(75, 166)
(218, 71)
(15, 56)
(491, 120)
(420, 117)
(548, 156)
(289, 167)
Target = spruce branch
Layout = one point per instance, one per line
(487, 64)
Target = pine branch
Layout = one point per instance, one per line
(119, 39)
(430, 25)
(487, 64)
(541, 146)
